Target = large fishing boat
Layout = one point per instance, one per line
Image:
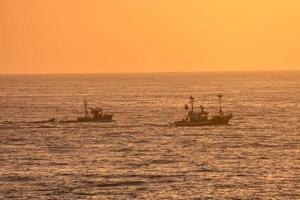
(201, 118)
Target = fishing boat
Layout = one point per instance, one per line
(95, 115)
(202, 118)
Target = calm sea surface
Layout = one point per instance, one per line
(140, 156)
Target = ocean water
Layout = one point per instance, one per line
(141, 156)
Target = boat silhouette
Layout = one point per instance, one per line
(201, 118)
(95, 115)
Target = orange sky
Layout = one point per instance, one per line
(70, 36)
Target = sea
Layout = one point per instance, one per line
(141, 155)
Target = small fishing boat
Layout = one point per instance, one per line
(95, 115)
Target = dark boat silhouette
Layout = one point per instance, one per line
(95, 115)
(201, 118)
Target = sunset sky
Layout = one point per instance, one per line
(79, 36)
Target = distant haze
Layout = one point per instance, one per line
(76, 36)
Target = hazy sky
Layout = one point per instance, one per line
(53, 36)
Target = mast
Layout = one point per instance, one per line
(220, 104)
(85, 108)
(192, 103)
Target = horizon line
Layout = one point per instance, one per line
(149, 72)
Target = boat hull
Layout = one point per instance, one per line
(217, 120)
(104, 119)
